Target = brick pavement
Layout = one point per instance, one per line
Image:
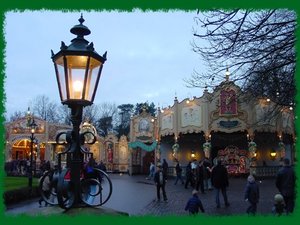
(178, 196)
(125, 187)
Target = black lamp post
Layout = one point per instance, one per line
(78, 69)
(32, 125)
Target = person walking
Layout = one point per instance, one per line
(199, 177)
(151, 171)
(178, 170)
(219, 177)
(160, 182)
(207, 174)
(285, 183)
(189, 176)
(165, 167)
(194, 204)
(251, 195)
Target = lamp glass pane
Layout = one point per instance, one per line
(76, 72)
(92, 78)
(61, 78)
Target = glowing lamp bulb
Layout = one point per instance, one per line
(77, 85)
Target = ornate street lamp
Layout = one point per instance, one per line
(78, 68)
(32, 126)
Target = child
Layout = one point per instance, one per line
(279, 206)
(46, 188)
(251, 195)
(194, 203)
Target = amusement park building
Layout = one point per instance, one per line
(226, 124)
(111, 150)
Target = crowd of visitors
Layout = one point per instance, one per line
(22, 167)
(203, 176)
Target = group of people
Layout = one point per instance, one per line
(198, 176)
(195, 176)
(284, 201)
(22, 167)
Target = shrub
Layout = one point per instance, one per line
(21, 194)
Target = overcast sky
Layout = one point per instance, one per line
(149, 55)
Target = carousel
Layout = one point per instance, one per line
(225, 124)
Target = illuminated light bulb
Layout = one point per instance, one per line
(77, 86)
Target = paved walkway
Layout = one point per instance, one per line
(137, 196)
(178, 196)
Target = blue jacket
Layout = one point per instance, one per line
(193, 205)
(252, 192)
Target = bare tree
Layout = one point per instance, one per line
(107, 109)
(107, 117)
(16, 115)
(64, 113)
(43, 108)
(258, 48)
(91, 113)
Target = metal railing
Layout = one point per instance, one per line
(264, 171)
(259, 171)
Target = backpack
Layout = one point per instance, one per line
(89, 169)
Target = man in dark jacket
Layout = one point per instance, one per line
(285, 182)
(194, 204)
(189, 176)
(160, 181)
(178, 173)
(165, 167)
(199, 177)
(219, 178)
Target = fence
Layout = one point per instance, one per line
(258, 171)
(264, 171)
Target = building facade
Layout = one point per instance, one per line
(113, 152)
(226, 124)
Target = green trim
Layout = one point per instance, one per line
(148, 148)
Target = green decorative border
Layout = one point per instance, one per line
(129, 5)
(148, 148)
